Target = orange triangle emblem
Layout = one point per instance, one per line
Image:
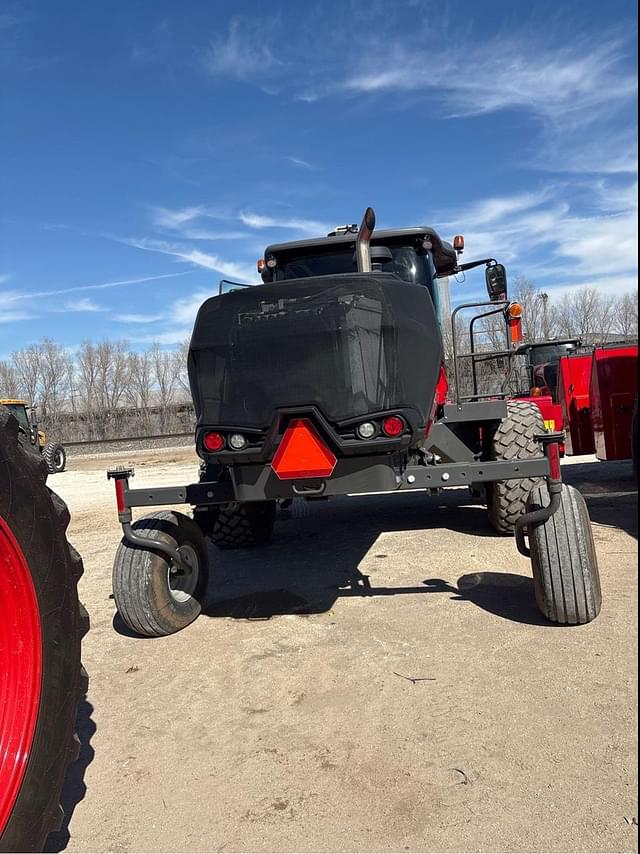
(302, 453)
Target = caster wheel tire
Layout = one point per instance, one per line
(154, 597)
(563, 559)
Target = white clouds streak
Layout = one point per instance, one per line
(181, 220)
(27, 295)
(178, 320)
(242, 53)
(577, 247)
(311, 227)
(82, 305)
(193, 256)
(13, 316)
(298, 161)
(568, 83)
(138, 318)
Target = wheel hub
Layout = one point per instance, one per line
(183, 581)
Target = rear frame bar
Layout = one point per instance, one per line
(353, 476)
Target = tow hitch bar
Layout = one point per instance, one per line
(551, 446)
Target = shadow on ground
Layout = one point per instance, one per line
(316, 552)
(74, 789)
(314, 557)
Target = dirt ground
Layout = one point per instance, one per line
(376, 679)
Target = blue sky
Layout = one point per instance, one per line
(149, 149)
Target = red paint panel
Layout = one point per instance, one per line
(574, 379)
(614, 388)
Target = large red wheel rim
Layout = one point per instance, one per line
(20, 669)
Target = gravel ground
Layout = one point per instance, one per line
(377, 679)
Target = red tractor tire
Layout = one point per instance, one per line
(41, 627)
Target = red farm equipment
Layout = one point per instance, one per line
(574, 376)
(589, 392)
(613, 394)
(542, 377)
(327, 379)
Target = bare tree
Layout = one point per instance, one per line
(53, 379)
(88, 388)
(9, 382)
(26, 364)
(181, 357)
(166, 381)
(624, 315)
(140, 387)
(584, 313)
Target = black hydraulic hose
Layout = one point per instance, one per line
(153, 545)
(525, 522)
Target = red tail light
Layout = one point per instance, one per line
(213, 441)
(393, 426)
(302, 453)
(439, 399)
(442, 387)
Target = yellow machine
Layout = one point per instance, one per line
(54, 453)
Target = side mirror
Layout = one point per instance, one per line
(496, 278)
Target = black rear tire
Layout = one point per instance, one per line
(563, 560)
(514, 440)
(55, 457)
(238, 525)
(152, 597)
(38, 519)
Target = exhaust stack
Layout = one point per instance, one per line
(363, 256)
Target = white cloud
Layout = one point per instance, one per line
(298, 161)
(167, 218)
(205, 234)
(27, 295)
(179, 320)
(182, 220)
(489, 210)
(170, 338)
(193, 256)
(577, 246)
(184, 310)
(81, 305)
(567, 83)
(13, 316)
(138, 318)
(602, 151)
(242, 53)
(307, 226)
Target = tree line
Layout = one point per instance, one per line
(106, 390)
(101, 391)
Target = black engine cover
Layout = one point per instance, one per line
(351, 345)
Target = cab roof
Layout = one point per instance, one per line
(5, 400)
(444, 255)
